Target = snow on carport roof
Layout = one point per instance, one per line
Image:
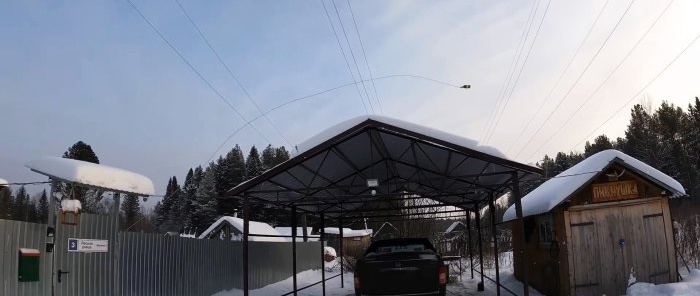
(333, 167)
(92, 175)
(3, 182)
(556, 190)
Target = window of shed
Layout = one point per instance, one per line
(546, 230)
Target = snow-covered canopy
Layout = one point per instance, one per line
(556, 190)
(332, 131)
(338, 163)
(254, 228)
(92, 175)
(3, 182)
(347, 232)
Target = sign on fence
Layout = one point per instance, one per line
(88, 245)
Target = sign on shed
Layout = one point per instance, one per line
(604, 192)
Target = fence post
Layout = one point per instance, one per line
(480, 286)
(469, 242)
(520, 224)
(294, 249)
(342, 265)
(492, 209)
(246, 230)
(322, 237)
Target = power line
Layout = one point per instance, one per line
(24, 183)
(563, 99)
(352, 54)
(639, 92)
(362, 46)
(320, 93)
(228, 70)
(521, 71)
(352, 75)
(511, 68)
(218, 94)
(578, 109)
(580, 46)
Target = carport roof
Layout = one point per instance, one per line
(330, 172)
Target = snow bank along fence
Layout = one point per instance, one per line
(140, 263)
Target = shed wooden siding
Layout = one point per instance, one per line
(590, 260)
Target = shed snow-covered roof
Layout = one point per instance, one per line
(3, 182)
(92, 174)
(556, 190)
(288, 231)
(347, 232)
(254, 228)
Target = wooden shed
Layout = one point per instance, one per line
(355, 242)
(588, 228)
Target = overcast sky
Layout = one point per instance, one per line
(95, 71)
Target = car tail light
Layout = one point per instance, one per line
(357, 280)
(442, 277)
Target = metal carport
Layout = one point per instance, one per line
(333, 175)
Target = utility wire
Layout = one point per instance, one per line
(344, 56)
(218, 94)
(320, 93)
(546, 99)
(24, 183)
(362, 46)
(578, 109)
(352, 54)
(563, 99)
(511, 68)
(517, 79)
(228, 70)
(639, 92)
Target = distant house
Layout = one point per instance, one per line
(300, 232)
(588, 228)
(355, 242)
(231, 228)
(386, 231)
(453, 240)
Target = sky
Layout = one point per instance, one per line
(96, 71)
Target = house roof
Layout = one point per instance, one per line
(347, 232)
(254, 227)
(561, 187)
(329, 172)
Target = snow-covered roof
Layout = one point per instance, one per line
(254, 228)
(288, 231)
(333, 131)
(3, 182)
(454, 225)
(556, 190)
(347, 232)
(92, 174)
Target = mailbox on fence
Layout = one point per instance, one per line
(29, 265)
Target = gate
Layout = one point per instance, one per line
(83, 265)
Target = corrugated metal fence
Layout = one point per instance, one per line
(145, 264)
(15, 235)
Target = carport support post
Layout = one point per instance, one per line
(246, 231)
(521, 226)
(342, 266)
(322, 238)
(480, 286)
(294, 249)
(492, 209)
(469, 242)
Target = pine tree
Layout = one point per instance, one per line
(87, 197)
(253, 164)
(547, 165)
(20, 209)
(642, 144)
(281, 155)
(268, 158)
(230, 171)
(131, 211)
(6, 203)
(205, 199)
(600, 143)
(561, 163)
(174, 216)
(43, 207)
(32, 211)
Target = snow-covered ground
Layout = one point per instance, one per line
(690, 286)
(303, 278)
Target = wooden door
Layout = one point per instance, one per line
(608, 243)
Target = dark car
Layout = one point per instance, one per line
(403, 266)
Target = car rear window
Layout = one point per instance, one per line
(397, 247)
